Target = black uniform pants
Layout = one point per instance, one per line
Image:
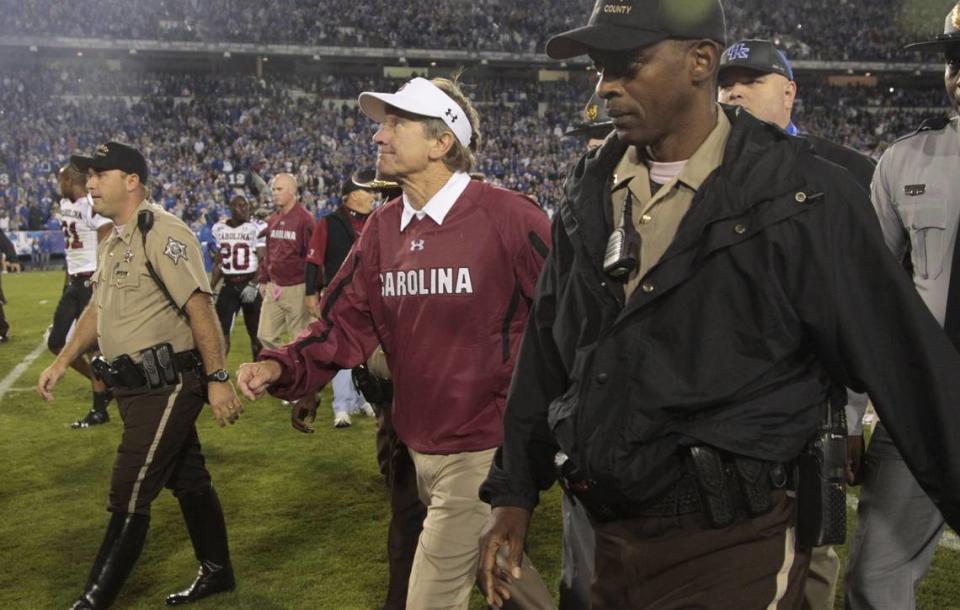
(678, 563)
(76, 295)
(229, 303)
(407, 512)
(160, 447)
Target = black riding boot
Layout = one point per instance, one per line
(118, 553)
(208, 531)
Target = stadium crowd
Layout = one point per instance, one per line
(808, 29)
(203, 131)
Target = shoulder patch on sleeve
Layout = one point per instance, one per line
(175, 250)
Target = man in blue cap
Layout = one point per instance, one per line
(757, 76)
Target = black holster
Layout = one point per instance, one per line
(733, 487)
(122, 372)
(822, 483)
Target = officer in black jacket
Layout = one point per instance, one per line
(712, 287)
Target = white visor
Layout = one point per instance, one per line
(421, 97)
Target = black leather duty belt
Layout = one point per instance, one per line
(730, 494)
(159, 367)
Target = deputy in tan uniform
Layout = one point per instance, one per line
(153, 316)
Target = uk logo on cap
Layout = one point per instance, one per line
(738, 51)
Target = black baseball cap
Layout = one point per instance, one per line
(757, 55)
(950, 36)
(621, 25)
(595, 122)
(114, 155)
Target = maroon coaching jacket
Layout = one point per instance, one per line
(448, 303)
(288, 239)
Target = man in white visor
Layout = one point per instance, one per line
(442, 277)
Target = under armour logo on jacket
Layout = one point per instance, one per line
(416, 245)
(453, 117)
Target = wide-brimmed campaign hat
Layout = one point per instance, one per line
(950, 36)
(595, 122)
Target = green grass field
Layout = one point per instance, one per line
(307, 514)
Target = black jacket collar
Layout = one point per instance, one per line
(759, 164)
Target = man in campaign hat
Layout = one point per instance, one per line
(700, 314)
(915, 195)
(576, 569)
(594, 125)
(441, 277)
(333, 236)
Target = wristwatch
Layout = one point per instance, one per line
(219, 376)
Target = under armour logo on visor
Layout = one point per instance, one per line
(453, 117)
(416, 245)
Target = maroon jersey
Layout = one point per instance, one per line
(288, 239)
(448, 303)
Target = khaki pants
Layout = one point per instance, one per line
(821, 586)
(286, 314)
(445, 565)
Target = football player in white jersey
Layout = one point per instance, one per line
(82, 230)
(241, 249)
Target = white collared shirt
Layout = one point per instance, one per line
(439, 205)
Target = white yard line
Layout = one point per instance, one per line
(18, 370)
(949, 540)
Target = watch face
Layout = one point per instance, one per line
(220, 375)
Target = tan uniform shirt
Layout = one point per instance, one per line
(132, 312)
(657, 218)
